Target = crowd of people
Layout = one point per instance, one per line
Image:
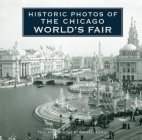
(131, 87)
(124, 126)
(128, 113)
(104, 120)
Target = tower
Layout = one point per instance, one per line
(17, 79)
(133, 35)
(100, 65)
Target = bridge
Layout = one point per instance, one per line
(53, 81)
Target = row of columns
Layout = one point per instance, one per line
(128, 77)
(27, 69)
(59, 67)
(120, 64)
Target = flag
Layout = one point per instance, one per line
(51, 48)
(47, 47)
(41, 47)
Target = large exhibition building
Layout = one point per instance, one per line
(129, 60)
(30, 62)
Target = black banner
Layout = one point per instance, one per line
(73, 22)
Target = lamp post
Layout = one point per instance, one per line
(16, 71)
(120, 80)
(98, 101)
(120, 77)
(60, 126)
(124, 108)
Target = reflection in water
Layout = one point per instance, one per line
(17, 106)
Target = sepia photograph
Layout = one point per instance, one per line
(71, 70)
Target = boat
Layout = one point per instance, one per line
(39, 86)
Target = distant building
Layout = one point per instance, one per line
(129, 60)
(89, 62)
(105, 64)
(2, 51)
(77, 62)
(109, 64)
(30, 62)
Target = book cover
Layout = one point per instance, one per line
(70, 69)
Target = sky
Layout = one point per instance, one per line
(11, 27)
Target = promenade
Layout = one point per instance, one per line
(134, 133)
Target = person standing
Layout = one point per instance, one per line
(128, 126)
(81, 137)
(112, 133)
(94, 129)
(131, 117)
(140, 121)
(123, 126)
(134, 118)
(104, 125)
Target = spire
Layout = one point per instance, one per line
(100, 66)
(99, 49)
(134, 24)
(133, 35)
(131, 21)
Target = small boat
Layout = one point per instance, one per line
(39, 86)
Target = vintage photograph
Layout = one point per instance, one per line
(70, 87)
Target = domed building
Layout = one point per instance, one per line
(129, 60)
(24, 63)
(140, 49)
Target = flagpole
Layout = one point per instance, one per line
(46, 52)
(41, 49)
(49, 52)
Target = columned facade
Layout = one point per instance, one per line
(130, 58)
(31, 62)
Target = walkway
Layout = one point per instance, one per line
(135, 133)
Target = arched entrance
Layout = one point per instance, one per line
(132, 77)
(123, 77)
(128, 77)
(7, 75)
